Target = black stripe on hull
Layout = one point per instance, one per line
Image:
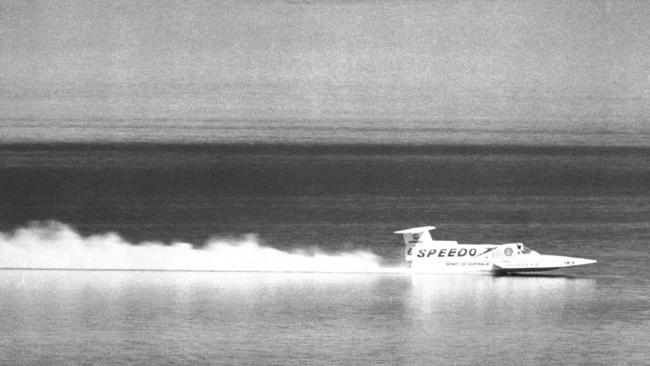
(503, 271)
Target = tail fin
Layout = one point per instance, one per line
(413, 237)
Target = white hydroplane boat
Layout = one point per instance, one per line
(441, 256)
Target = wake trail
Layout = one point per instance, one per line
(56, 246)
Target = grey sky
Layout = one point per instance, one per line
(571, 66)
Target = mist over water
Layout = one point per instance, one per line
(54, 245)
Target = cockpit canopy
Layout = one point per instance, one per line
(524, 249)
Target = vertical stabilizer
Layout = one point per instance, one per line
(413, 237)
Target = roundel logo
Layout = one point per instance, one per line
(508, 251)
(416, 236)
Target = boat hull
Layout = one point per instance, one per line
(539, 263)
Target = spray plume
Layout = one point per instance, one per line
(54, 245)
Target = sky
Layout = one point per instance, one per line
(555, 72)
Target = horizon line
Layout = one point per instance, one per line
(323, 147)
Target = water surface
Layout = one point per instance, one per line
(301, 201)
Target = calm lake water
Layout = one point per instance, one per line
(333, 209)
